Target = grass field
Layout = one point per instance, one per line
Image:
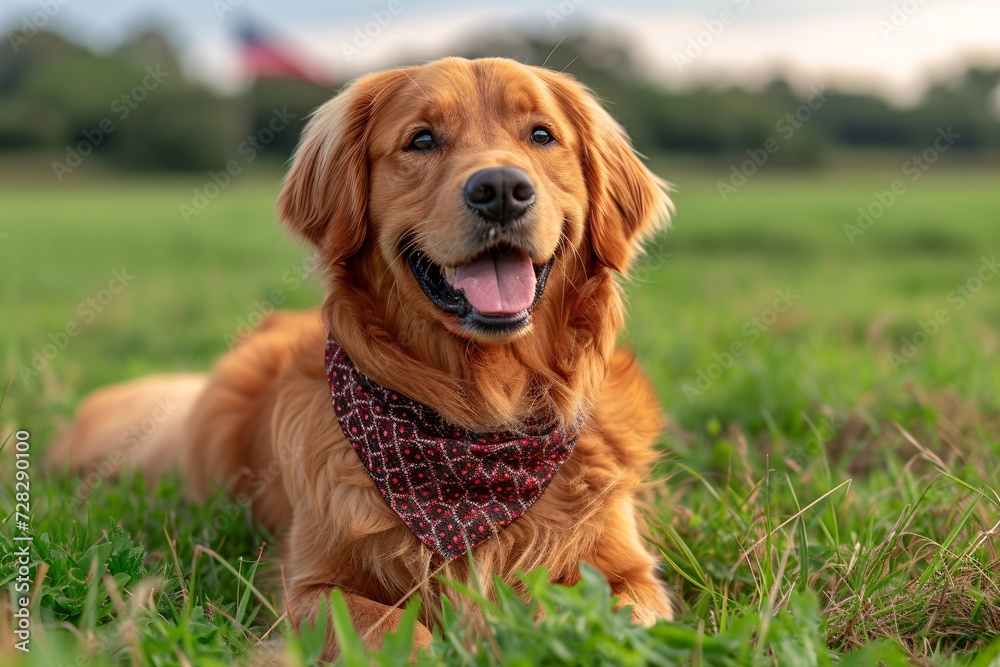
(829, 494)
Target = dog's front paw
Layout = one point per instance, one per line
(371, 619)
(641, 615)
(647, 608)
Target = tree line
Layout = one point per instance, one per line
(135, 109)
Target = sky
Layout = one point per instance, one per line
(892, 47)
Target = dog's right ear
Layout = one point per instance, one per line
(325, 196)
(627, 202)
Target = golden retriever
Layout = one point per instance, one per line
(472, 219)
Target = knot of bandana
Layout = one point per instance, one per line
(452, 487)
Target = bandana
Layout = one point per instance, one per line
(452, 487)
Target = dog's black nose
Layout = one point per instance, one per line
(500, 194)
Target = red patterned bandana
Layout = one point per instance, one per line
(451, 486)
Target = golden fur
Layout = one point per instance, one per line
(264, 426)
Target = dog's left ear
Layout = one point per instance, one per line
(628, 203)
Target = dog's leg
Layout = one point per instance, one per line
(140, 424)
(631, 570)
(372, 620)
(630, 422)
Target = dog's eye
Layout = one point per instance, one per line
(422, 141)
(541, 136)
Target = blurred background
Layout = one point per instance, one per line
(692, 79)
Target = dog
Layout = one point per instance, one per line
(472, 220)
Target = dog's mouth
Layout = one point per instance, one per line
(494, 293)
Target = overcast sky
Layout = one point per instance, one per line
(888, 46)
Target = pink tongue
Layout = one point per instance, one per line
(500, 283)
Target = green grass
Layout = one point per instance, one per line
(822, 502)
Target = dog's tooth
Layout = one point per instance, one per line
(449, 273)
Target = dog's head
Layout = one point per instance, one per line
(470, 182)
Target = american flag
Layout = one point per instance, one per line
(265, 56)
